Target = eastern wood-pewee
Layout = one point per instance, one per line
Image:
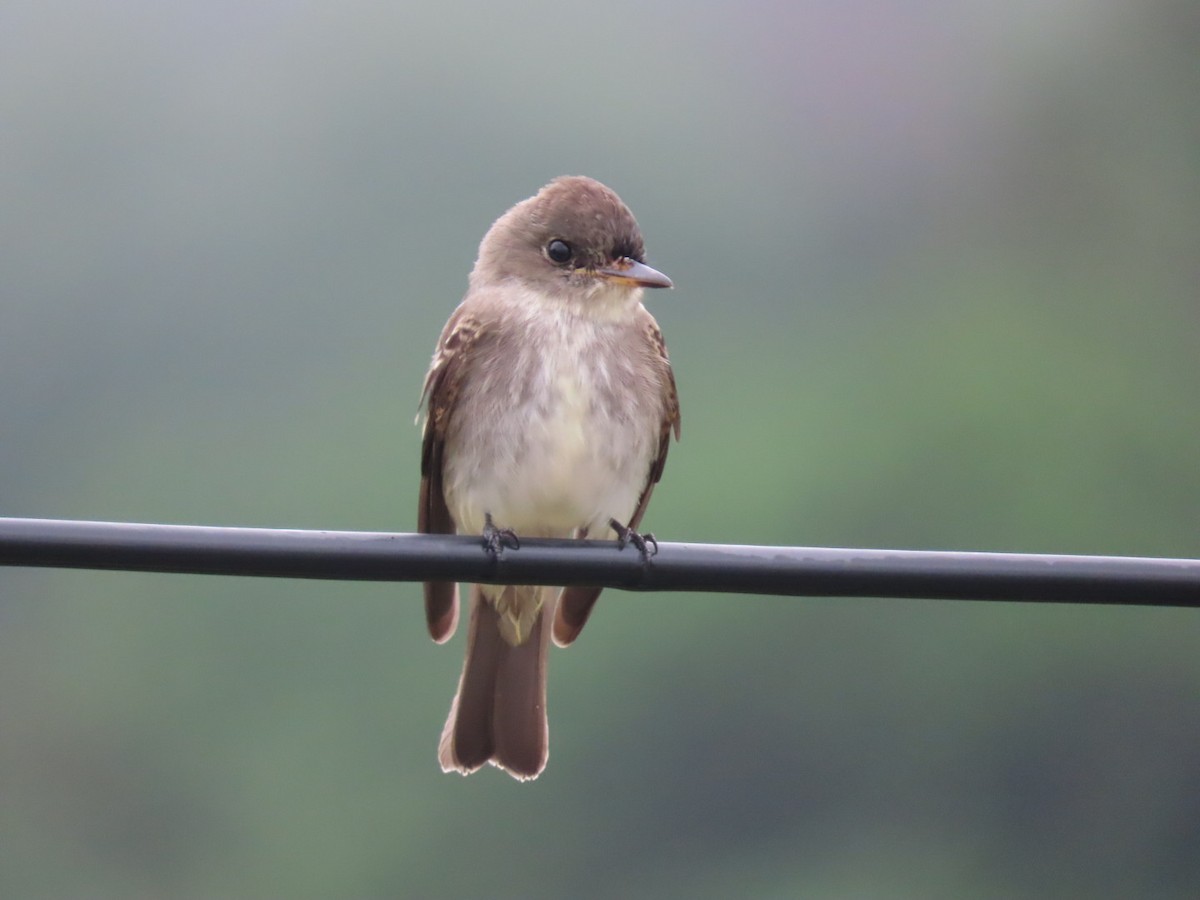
(550, 404)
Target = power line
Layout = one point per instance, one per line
(793, 571)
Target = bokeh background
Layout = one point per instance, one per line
(937, 269)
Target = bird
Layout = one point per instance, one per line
(548, 406)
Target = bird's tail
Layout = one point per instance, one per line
(499, 712)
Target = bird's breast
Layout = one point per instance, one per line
(559, 439)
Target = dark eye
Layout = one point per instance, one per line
(558, 251)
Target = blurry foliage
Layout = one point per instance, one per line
(936, 274)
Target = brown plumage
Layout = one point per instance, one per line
(550, 403)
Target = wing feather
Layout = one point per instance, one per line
(443, 383)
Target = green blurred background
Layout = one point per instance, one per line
(937, 270)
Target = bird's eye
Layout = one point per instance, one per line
(558, 251)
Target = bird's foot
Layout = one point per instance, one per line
(497, 540)
(626, 536)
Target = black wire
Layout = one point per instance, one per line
(794, 571)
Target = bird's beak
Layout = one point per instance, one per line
(634, 274)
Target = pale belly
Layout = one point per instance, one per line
(568, 458)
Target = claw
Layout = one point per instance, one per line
(626, 536)
(497, 540)
(649, 538)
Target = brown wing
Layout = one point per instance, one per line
(442, 385)
(577, 602)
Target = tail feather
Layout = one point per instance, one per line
(499, 712)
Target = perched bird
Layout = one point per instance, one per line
(549, 406)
